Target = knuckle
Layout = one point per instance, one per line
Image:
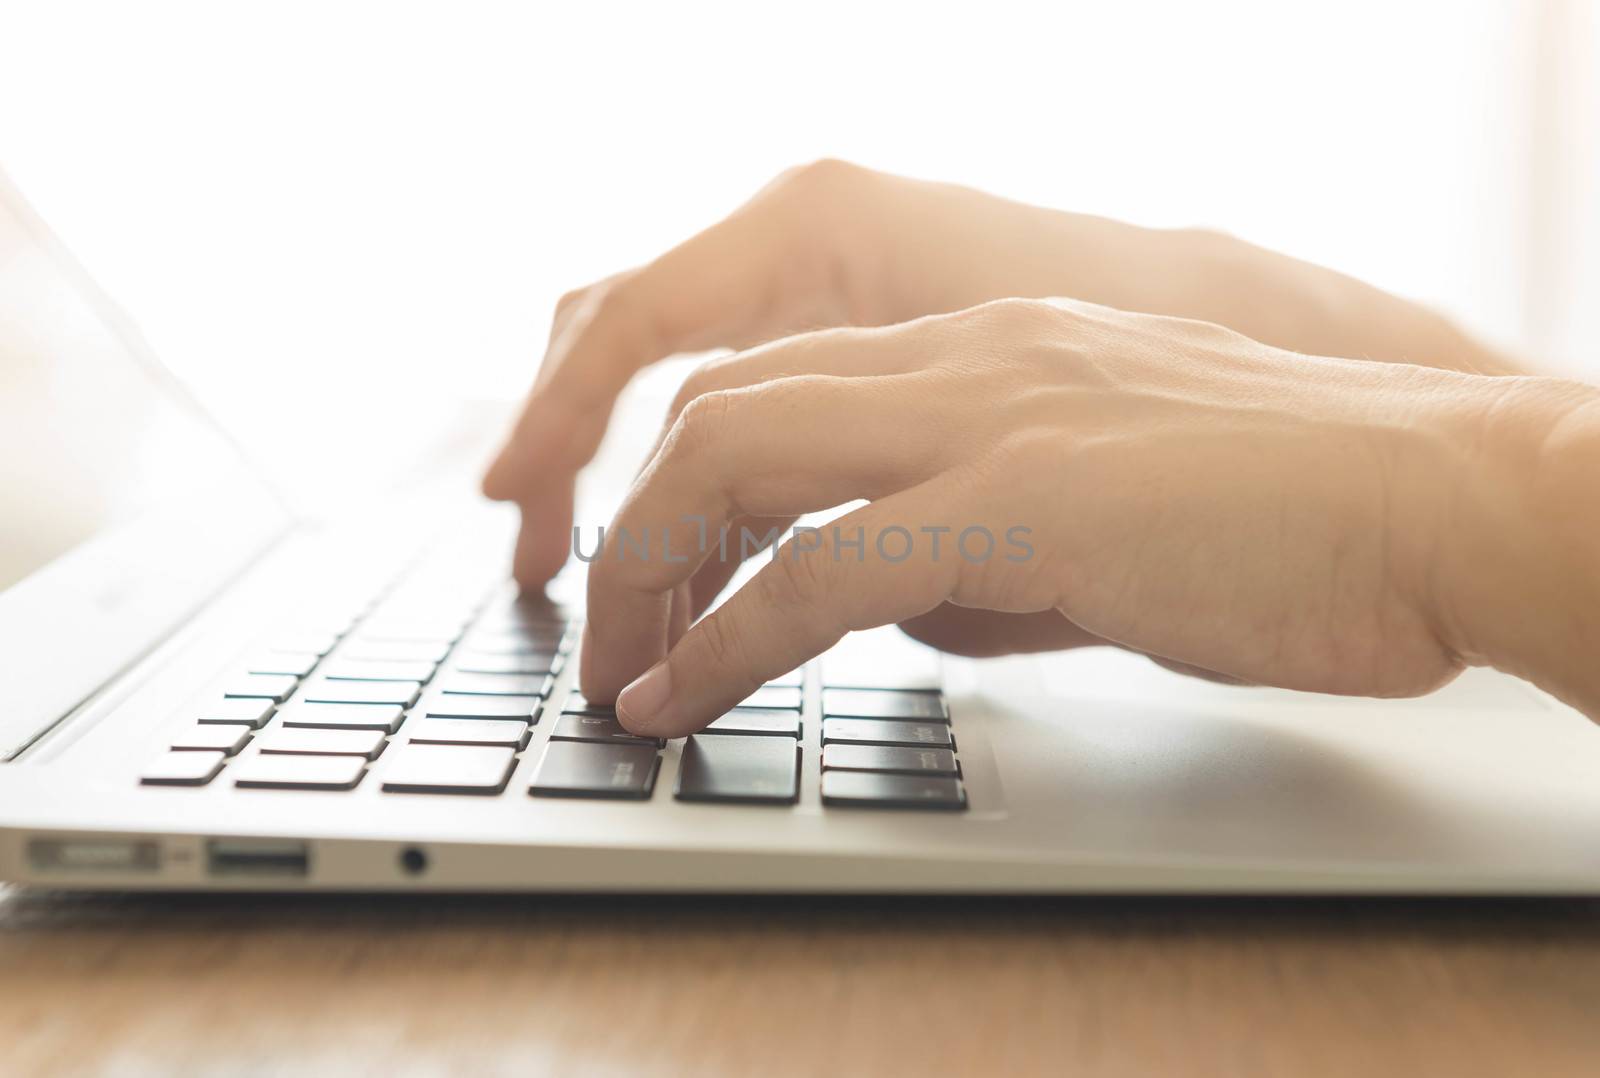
(1031, 447)
(571, 299)
(1202, 241)
(700, 382)
(1034, 346)
(702, 422)
(632, 318)
(721, 643)
(596, 299)
(792, 391)
(1004, 319)
(1002, 336)
(828, 218)
(802, 575)
(1016, 314)
(616, 297)
(609, 327)
(620, 303)
(1078, 368)
(823, 178)
(569, 310)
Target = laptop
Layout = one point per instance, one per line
(203, 688)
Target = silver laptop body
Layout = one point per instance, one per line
(361, 702)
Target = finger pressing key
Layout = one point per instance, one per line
(799, 605)
(782, 448)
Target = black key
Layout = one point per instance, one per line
(253, 713)
(525, 708)
(260, 687)
(878, 732)
(756, 721)
(273, 772)
(385, 717)
(589, 769)
(596, 728)
(520, 612)
(226, 738)
(534, 625)
(293, 663)
(495, 684)
(449, 769)
(342, 669)
(773, 696)
(183, 769)
(513, 732)
(386, 652)
(312, 741)
(509, 619)
(889, 758)
(533, 662)
(401, 693)
(880, 704)
(872, 789)
(755, 770)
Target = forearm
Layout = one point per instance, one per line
(1274, 298)
(925, 247)
(1304, 307)
(1520, 577)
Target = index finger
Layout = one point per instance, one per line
(799, 605)
(778, 449)
(755, 275)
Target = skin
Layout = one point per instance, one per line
(1235, 502)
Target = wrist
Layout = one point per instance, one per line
(1518, 577)
(1304, 307)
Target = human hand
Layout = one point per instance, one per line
(832, 244)
(1187, 493)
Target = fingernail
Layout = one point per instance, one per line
(640, 705)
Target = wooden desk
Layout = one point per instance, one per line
(718, 986)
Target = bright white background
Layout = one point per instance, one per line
(366, 206)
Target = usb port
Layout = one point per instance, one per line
(258, 857)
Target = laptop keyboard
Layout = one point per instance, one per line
(424, 693)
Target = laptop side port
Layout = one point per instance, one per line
(258, 857)
(90, 853)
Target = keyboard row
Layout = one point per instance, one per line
(318, 707)
(751, 755)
